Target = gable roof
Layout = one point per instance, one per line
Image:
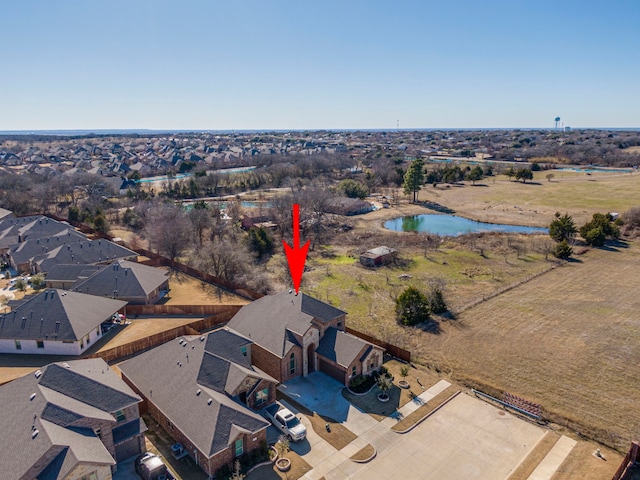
(57, 315)
(191, 384)
(33, 247)
(129, 279)
(271, 320)
(85, 252)
(71, 272)
(46, 441)
(343, 348)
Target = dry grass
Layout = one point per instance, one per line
(364, 454)
(416, 416)
(535, 203)
(187, 290)
(339, 436)
(535, 456)
(145, 327)
(568, 340)
(582, 464)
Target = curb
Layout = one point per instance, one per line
(429, 414)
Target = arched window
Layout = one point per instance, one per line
(292, 364)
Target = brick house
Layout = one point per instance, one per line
(72, 420)
(295, 335)
(55, 322)
(204, 391)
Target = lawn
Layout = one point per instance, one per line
(187, 290)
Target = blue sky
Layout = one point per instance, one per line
(240, 64)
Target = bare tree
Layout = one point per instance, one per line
(168, 230)
(201, 220)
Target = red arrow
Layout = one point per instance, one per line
(296, 255)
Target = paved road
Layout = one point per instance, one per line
(466, 439)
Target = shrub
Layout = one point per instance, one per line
(562, 250)
(412, 307)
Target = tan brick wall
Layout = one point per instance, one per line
(102, 472)
(285, 374)
(251, 397)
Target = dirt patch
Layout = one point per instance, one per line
(269, 472)
(145, 327)
(187, 290)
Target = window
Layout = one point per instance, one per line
(243, 350)
(18, 345)
(339, 324)
(354, 371)
(238, 447)
(40, 343)
(90, 476)
(292, 364)
(120, 416)
(262, 396)
(87, 339)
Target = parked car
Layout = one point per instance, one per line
(151, 467)
(285, 421)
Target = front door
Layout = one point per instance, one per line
(311, 358)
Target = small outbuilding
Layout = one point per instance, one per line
(378, 256)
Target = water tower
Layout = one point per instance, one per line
(557, 120)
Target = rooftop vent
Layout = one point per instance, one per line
(66, 365)
(198, 392)
(34, 433)
(32, 396)
(209, 402)
(38, 373)
(202, 339)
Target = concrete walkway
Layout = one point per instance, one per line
(550, 463)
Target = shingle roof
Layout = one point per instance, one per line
(57, 315)
(269, 320)
(341, 347)
(171, 375)
(28, 405)
(70, 272)
(33, 247)
(129, 279)
(86, 252)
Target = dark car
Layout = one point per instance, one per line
(151, 467)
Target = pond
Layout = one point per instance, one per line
(452, 226)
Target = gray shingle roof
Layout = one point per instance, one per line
(28, 405)
(267, 320)
(70, 272)
(172, 374)
(33, 247)
(86, 252)
(341, 347)
(130, 279)
(57, 315)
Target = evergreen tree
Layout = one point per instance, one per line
(414, 178)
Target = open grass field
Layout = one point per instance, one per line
(498, 200)
(187, 290)
(569, 339)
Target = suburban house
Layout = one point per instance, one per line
(20, 255)
(348, 206)
(86, 252)
(294, 335)
(378, 256)
(204, 390)
(132, 282)
(15, 230)
(72, 420)
(55, 322)
(65, 276)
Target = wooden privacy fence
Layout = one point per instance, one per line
(196, 327)
(391, 349)
(633, 456)
(160, 310)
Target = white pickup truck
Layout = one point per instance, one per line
(285, 421)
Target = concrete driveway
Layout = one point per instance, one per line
(467, 439)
